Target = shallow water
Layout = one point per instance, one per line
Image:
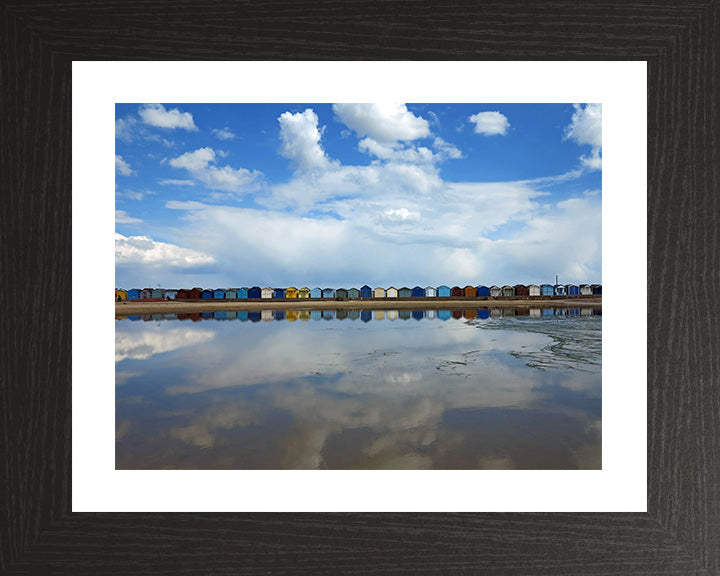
(472, 389)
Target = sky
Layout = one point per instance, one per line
(342, 195)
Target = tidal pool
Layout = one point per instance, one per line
(350, 389)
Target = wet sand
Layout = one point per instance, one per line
(129, 308)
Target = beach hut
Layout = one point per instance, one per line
(392, 314)
(353, 314)
(430, 292)
(279, 314)
(206, 315)
(366, 292)
(157, 293)
(508, 290)
(120, 295)
(392, 292)
(597, 288)
(443, 291)
(304, 292)
(533, 290)
(266, 292)
(430, 314)
(379, 292)
(353, 293)
(404, 314)
(182, 294)
(172, 294)
(242, 316)
(255, 292)
(328, 314)
(560, 290)
(243, 293)
(546, 290)
(495, 291)
(444, 315)
(195, 294)
(456, 291)
(366, 315)
(304, 315)
(266, 315)
(404, 292)
(470, 313)
(470, 291)
(219, 294)
(291, 315)
(278, 293)
(254, 316)
(521, 290)
(316, 314)
(379, 315)
(291, 292)
(572, 289)
(231, 294)
(220, 315)
(418, 292)
(207, 294)
(328, 293)
(342, 314)
(483, 314)
(341, 293)
(145, 293)
(482, 291)
(585, 290)
(457, 314)
(316, 293)
(418, 314)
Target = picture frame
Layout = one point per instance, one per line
(40, 534)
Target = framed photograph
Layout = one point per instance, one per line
(650, 508)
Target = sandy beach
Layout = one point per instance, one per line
(129, 308)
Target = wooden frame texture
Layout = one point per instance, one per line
(680, 533)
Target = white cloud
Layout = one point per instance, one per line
(384, 123)
(141, 345)
(300, 138)
(223, 133)
(122, 167)
(400, 215)
(122, 217)
(586, 130)
(157, 115)
(446, 149)
(124, 128)
(173, 182)
(145, 250)
(490, 123)
(201, 164)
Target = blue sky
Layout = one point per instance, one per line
(341, 195)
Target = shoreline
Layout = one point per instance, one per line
(129, 308)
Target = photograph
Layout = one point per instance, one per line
(358, 286)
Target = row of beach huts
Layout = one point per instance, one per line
(257, 293)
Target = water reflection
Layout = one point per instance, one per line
(486, 390)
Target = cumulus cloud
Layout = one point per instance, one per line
(122, 217)
(223, 133)
(122, 167)
(145, 344)
(490, 123)
(585, 129)
(384, 123)
(124, 128)
(157, 115)
(145, 250)
(300, 138)
(201, 164)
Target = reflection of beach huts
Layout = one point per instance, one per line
(572, 289)
(560, 290)
(443, 291)
(521, 290)
(316, 314)
(418, 292)
(444, 314)
(482, 291)
(483, 314)
(546, 290)
(508, 290)
(266, 315)
(353, 314)
(533, 290)
(304, 315)
(291, 315)
(316, 293)
(392, 314)
(328, 314)
(379, 315)
(456, 292)
(366, 292)
(379, 292)
(341, 314)
(585, 290)
(254, 316)
(404, 292)
(219, 294)
(457, 314)
(597, 288)
(328, 293)
(353, 293)
(404, 314)
(495, 291)
(341, 293)
(304, 292)
(470, 291)
(418, 314)
(255, 292)
(278, 293)
(470, 313)
(207, 294)
(243, 293)
(366, 315)
(430, 292)
(266, 292)
(291, 292)
(392, 292)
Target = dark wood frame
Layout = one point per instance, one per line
(680, 533)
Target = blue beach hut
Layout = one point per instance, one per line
(278, 293)
(219, 294)
(572, 290)
(316, 293)
(353, 293)
(243, 292)
(133, 294)
(231, 294)
(482, 291)
(560, 290)
(418, 292)
(254, 292)
(366, 292)
(546, 290)
(404, 292)
(328, 293)
(443, 292)
(597, 289)
(341, 293)
(207, 294)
